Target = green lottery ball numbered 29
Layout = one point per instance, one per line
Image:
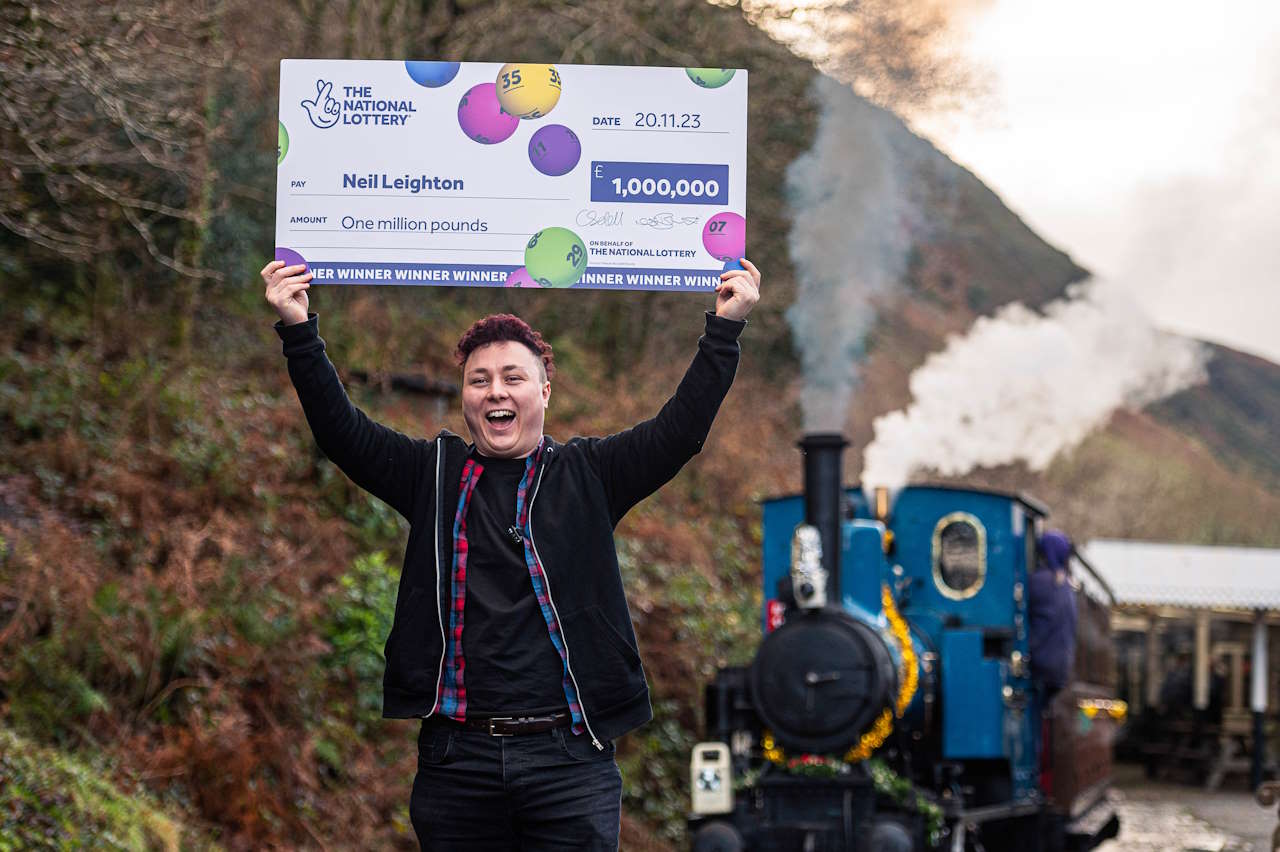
(555, 257)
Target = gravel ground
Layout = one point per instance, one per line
(1160, 816)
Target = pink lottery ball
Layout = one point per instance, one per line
(725, 236)
(481, 117)
(521, 278)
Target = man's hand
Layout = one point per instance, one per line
(287, 290)
(738, 291)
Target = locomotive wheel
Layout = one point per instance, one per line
(718, 837)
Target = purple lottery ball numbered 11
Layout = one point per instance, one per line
(481, 117)
(289, 256)
(554, 150)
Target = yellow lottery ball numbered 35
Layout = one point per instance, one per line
(529, 91)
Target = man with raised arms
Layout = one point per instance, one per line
(512, 640)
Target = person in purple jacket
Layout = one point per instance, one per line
(1051, 614)
(512, 639)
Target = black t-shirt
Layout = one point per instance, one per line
(511, 666)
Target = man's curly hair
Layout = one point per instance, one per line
(497, 328)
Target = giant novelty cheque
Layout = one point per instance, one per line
(480, 174)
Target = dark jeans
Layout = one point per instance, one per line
(547, 791)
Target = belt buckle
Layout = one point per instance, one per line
(493, 719)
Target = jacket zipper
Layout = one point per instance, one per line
(547, 580)
(439, 619)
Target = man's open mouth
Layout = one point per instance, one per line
(500, 416)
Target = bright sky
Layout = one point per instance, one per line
(1144, 139)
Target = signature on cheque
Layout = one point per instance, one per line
(666, 221)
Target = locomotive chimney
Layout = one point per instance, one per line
(824, 499)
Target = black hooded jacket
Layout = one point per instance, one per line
(582, 489)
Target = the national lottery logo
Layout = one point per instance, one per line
(324, 110)
(356, 105)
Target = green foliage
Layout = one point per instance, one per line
(136, 397)
(715, 624)
(122, 654)
(49, 690)
(374, 524)
(906, 795)
(233, 238)
(265, 619)
(359, 619)
(719, 620)
(655, 771)
(51, 801)
(40, 398)
(175, 632)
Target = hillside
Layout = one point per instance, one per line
(50, 800)
(1234, 415)
(1198, 467)
(194, 601)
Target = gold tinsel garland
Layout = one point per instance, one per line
(908, 674)
(872, 739)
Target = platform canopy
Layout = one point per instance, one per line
(1186, 575)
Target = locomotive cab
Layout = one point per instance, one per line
(895, 710)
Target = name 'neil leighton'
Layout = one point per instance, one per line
(412, 183)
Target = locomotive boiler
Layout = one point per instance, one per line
(891, 705)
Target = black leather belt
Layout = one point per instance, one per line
(508, 726)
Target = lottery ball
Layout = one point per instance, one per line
(482, 118)
(556, 257)
(554, 150)
(725, 236)
(282, 144)
(710, 78)
(529, 91)
(433, 75)
(521, 278)
(289, 256)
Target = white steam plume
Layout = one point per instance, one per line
(851, 229)
(1023, 387)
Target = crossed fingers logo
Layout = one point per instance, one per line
(324, 109)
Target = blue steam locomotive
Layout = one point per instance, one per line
(891, 705)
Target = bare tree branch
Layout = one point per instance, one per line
(897, 53)
(103, 126)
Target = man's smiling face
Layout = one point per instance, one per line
(504, 399)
